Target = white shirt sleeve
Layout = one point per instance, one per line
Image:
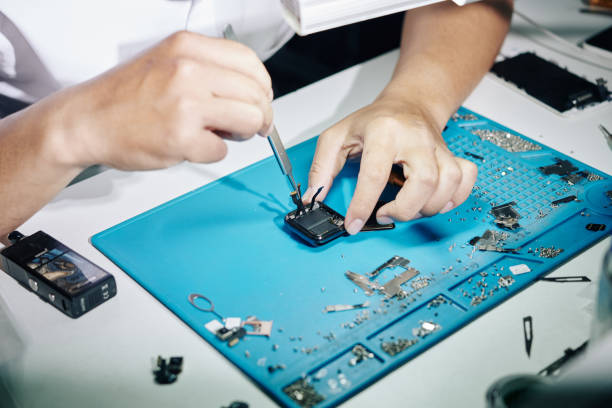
(47, 45)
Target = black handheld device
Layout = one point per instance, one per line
(56, 273)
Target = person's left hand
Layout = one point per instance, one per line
(386, 132)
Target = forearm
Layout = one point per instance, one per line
(35, 163)
(445, 51)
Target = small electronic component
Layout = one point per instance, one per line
(595, 227)
(57, 274)
(563, 200)
(166, 372)
(506, 216)
(491, 241)
(342, 308)
(303, 393)
(561, 167)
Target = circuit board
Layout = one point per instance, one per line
(313, 326)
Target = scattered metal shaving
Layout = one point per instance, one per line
(492, 241)
(594, 177)
(506, 140)
(360, 354)
(550, 252)
(468, 116)
(425, 329)
(397, 346)
(420, 283)
(437, 301)
(505, 281)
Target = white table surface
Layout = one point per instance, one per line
(104, 358)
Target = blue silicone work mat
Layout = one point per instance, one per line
(227, 241)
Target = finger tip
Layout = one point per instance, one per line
(384, 220)
(354, 226)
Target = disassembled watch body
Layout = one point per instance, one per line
(318, 224)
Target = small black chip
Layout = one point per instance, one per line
(596, 227)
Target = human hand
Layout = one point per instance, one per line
(177, 101)
(386, 132)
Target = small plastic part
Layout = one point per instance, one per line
(167, 372)
(213, 326)
(519, 269)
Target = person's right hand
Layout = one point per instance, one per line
(175, 102)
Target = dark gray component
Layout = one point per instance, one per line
(528, 333)
(506, 216)
(563, 200)
(561, 167)
(492, 241)
(596, 227)
(474, 156)
(566, 279)
(167, 372)
(273, 368)
(237, 404)
(573, 179)
(303, 393)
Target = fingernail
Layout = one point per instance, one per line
(449, 206)
(384, 220)
(355, 226)
(417, 216)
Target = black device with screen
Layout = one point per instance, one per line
(549, 83)
(57, 274)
